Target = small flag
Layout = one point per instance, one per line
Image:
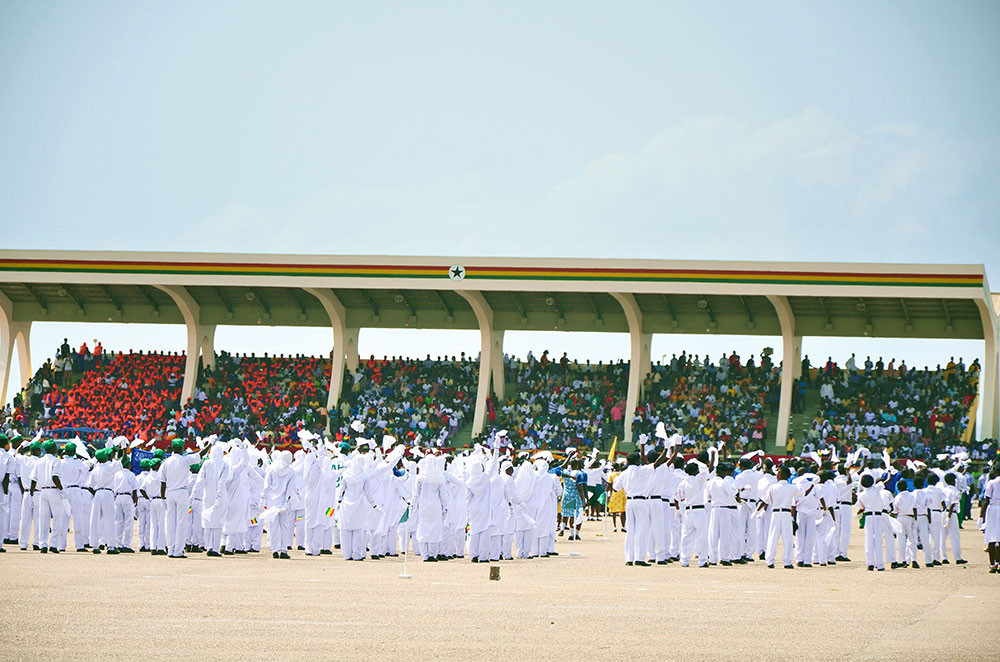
(253, 521)
(190, 509)
(611, 453)
(299, 518)
(329, 512)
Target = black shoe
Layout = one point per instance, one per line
(325, 552)
(240, 551)
(871, 568)
(285, 555)
(301, 548)
(95, 551)
(141, 549)
(35, 547)
(182, 556)
(726, 563)
(336, 546)
(115, 551)
(881, 569)
(661, 563)
(642, 563)
(961, 562)
(945, 562)
(937, 563)
(273, 555)
(53, 550)
(228, 552)
(430, 559)
(212, 553)
(843, 559)
(801, 564)
(915, 565)
(553, 553)
(475, 560)
(44, 550)
(629, 563)
(771, 566)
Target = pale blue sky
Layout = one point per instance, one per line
(718, 130)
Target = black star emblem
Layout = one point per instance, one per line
(457, 272)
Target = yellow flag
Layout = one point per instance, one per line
(611, 453)
(967, 434)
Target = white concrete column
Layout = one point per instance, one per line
(13, 334)
(639, 358)
(484, 315)
(191, 312)
(497, 364)
(206, 341)
(791, 355)
(351, 336)
(335, 311)
(989, 423)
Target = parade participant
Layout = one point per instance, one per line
(46, 482)
(125, 488)
(102, 513)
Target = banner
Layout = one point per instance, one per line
(137, 457)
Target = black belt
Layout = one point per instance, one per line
(50, 487)
(123, 494)
(730, 507)
(639, 497)
(935, 510)
(696, 507)
(104, 488)
(874, 512)
(69, 486)
(844, 503)
(781, 510)
(160, 498)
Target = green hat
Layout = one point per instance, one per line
(195, 468)
(103, 454)
(70, 449)
(145, 464)
(127, 462)
(155, 462)
(49, 446)
(159, 454)
(177, 445)
(345, 447)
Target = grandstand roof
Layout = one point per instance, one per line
(827, 299)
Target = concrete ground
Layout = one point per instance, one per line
(127, 607)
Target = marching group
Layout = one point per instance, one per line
(725, 513)
(365, 498)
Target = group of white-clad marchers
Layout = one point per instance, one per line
(725, 513)
(362, 497)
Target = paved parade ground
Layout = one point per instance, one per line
(127, 607)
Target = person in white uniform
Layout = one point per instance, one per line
(126, 497)
(46, 483)
(779, 497)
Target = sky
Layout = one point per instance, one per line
(847, 131)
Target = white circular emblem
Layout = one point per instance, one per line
(456, 272)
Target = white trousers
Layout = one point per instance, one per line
(157, 524)
(28, 503)
(50, 517)
(102, 519)
(143, 516)
(352, 544)
(951, 533)
(124, 516)
(694, 536)
(805, 538)
(843, 528)
(177, 518)
(780, 529)
(873, 541)
(722, 526)
(906, 542)
(638, 536)
(79, 503)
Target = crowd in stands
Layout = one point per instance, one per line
(424, 401)
(706, 402)
(555, 404)
(915, 413)
(549, 403)
(131, 394)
